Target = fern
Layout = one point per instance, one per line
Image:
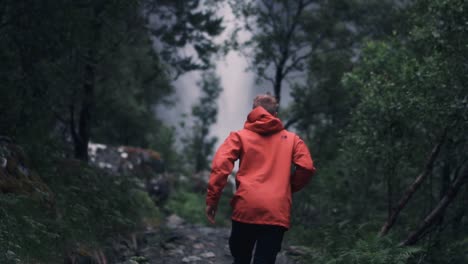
(375, 251)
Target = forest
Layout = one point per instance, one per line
(91, 173)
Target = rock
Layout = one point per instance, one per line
(10, 254)
(206, 231)
(158, 189)
(298, 250)
(123, 250)
(168, 246)
(208, 255)
(17, 177)
(191, 259)
(176, 251)
(282, 258)
(146, 164)
(174, 221)
(192, 237)
(125, 159)
(23, 170)
(5, 139)
(193, 244)
(139, 259)
(198, 246)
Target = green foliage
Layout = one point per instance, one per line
(198, 143)
(94, 205)
(26, 230)
(191, 206)
(375, 251)
(188, 205)
(185, 24)
(384, 81)
(345, 242)
(95, 70)
(132, 84)
(90, 207)
(319, 38)
(371, 119)
(322, 106)
(90, 70)
(408, 98)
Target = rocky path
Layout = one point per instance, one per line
(182, 243)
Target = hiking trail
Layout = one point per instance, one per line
(179, 242)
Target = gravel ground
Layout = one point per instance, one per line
(180, 243)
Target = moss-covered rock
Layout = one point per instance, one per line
(71, 212)
(17, 177)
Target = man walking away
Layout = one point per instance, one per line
(262, 202)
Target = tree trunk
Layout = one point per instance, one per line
(389, 194)
(438, 211)
(81, 145)
(279, 80)
(82, 136)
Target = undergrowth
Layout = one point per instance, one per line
(190, 205)
(334, 244)
(90, 206)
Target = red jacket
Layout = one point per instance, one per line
(264, 181)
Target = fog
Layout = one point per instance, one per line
(234, 102)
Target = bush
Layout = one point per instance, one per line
(26, 230)
(90, 207)
(191, 207)
(375, 251)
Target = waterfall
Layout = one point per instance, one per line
(239, 89)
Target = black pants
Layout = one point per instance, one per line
(244, 236)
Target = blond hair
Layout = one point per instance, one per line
(266, 101)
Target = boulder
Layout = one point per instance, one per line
(146, 164)
(17, 177)
(126, 160)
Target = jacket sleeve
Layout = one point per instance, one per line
(223, 163)
(304, 165)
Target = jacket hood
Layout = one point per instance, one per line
(262, 122)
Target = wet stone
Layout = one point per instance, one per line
(208, 255)
(198, 246)
(191, 259)
(174, 221)
(193, 244)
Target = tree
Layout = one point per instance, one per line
(381, 106)
(59, 56)
(412, 98)
(183, 25)
(199, 145)
(279, 44)
(289, 35)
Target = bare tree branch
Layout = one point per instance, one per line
(292, 66)
(438, 211)
(271, 14)
(413, 187)
(269, 79)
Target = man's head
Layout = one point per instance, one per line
(266, 101)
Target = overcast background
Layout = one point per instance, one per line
(235, 101)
